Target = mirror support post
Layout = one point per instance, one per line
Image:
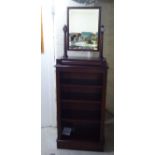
(65, 29)
(101, 41)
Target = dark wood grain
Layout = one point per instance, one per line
(101, 41)
(65, 29)
(81, 93)
(80, 145)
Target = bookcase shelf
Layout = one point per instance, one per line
(78, 86)
(80, 121)
(80, 104)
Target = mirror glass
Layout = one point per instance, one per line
(83, 24)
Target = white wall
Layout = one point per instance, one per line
(108, 52)
(54, 18)
(48, 96)
(53, 39)
(60, 21)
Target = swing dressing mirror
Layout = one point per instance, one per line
(83, 28)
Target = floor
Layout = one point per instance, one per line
(49, 134)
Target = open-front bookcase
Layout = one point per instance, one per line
(81, 86)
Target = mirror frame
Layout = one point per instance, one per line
(99, 24)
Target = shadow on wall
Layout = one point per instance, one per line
(107, 19)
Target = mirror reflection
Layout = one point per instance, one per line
(83, 29)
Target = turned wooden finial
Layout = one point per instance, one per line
(65, 29)
(101, 40)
